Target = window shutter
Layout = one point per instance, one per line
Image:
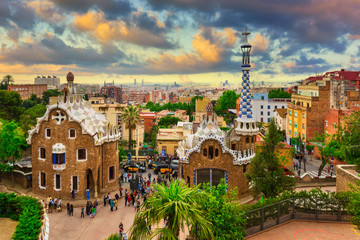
(54, 158)
(64, 158)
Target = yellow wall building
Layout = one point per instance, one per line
(169, 138)
(200, 104)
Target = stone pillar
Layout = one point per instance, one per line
(96, 192)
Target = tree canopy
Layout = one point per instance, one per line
(32, 101)
(28, 118)
(266, 174)
(225, 102)
(10, 105)
(278, 93)
(131, 118)
(50, 93)
(168, 121)
(7, 79)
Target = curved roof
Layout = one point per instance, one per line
(93, 123)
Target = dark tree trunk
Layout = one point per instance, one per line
(130, 139)
(323, 162)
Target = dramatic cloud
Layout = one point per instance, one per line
(96, 24)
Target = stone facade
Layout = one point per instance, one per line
(96, 167)
(345, 175)
(234, 174)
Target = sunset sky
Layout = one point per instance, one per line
(187, 41)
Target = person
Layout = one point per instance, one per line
(87, 208)
(121, 229)
(126, 198)
(299, 172)
(137, 205)
(82, 212)
(129, 199)
(125, 177)
(73, 194)
(105, 198)
(145, 198)
(121, 191)
(55, 204)
(71, 210)
(50, 205)
(117, 196)
(111, 205)
(59, 205)
(47, 202)
(68, 208)
(109, 197)
(116, 204)
(93, 211)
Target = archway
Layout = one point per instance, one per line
(90, 184)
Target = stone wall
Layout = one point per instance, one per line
(224, 161)
(345, 175)
(96, 156)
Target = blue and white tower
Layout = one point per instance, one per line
(245, 124)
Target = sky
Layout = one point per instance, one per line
(183, 41)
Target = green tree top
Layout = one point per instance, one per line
(168, 121)
(225, 102)
(28, 118)
(131, 118)
(278, 93)
(7, 79)
(266, 174)
(10, 105)
(50, 93)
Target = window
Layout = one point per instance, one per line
(58, 158)
(275, 107)
(74, 182)
(42, 153)
(295, 114)
(47, 132)
(269, 107)
(247, 139)
(334, 125)
(289, 132)
(261, 113)
(268, 120)
(72, 133)
(81, 154)
(111, 173)
(233, 146)
(303, 126)
(262, 97)
(205, 152)
(303, 136)
(326, 123)
(211, 152)
(57, 182)
(216, 152)
(295, 134)
(268, 113)
(303, 115)
(244, 169)
(282, 106)
(290, 113)
(42, 180)
(262, 119)
(290, 122)
(261, 107)
(295, 124)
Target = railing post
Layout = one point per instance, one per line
(262, 219)
(339, 211)
(316, 209)
(278, 214)
(293, 214)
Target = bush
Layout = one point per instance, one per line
(115, 236)
(24, 209)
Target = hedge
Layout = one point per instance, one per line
(25, 209)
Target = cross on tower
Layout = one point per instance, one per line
(246, 33)
(59, 117)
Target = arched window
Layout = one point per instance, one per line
(216, 152)
(211, 152)
(244, 168)
(233, 146)
(205, 152)
(247, 140)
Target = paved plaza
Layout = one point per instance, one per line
(309, 230)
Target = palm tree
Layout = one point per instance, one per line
(7, 79)
(176, 206)
(131, 118)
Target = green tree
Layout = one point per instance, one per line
(131, 118)
(122, 154)
(266, 175)
(10, 105)
(326, 147)
(176, 205)
(154, 132)
(149, 105)
(86, 97)
(28, 118)
(225, 102)
(278, 93)
(7, 79)
(354, 203)
(32, 101)
(12, 141)
(220, 209)
(168, 121)
(50, 93)
(298, 142)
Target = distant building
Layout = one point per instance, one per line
(280, 118)
(112, 92)
(200, 104)
(264, 107)
(26, 90)
(352, 76)
(149, 120)
(52, 82)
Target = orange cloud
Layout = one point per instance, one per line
(210, 48)
(38, 68)
(259, 43)
(289, 65)
(47, 11)
(105, 30)
(354, 36)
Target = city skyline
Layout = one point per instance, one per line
(188, 42)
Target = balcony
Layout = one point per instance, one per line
(59, 167)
